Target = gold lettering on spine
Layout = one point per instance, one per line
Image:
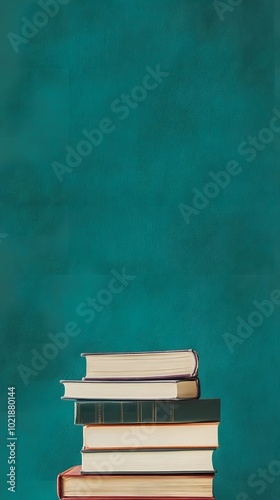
(99, 413)
(172, 411)
(154, 411)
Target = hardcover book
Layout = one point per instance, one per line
(142, 365)
(147, 461)
(130, 412)
(133, 390)
(198, 435)
(73, 484)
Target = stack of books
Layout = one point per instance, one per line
(146, 433)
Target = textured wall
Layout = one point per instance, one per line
(194, 265)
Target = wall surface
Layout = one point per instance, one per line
(194, 256)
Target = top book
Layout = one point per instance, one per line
(141, 365)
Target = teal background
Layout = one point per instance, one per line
(119, 208)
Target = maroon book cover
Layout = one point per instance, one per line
(76, 471)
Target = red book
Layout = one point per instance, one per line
(72, 485)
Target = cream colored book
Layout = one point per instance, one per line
(142, 365)
(133, 390)
(147, 461)
(151, 435)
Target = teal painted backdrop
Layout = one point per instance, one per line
(196, 263)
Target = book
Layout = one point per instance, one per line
(129, 412)
(133, 390)
(152, 461)
(73, 484)
(142, 365)
(203, 435)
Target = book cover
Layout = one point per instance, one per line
(103, 484)
(130, 412)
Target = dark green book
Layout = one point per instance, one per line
(137, 412)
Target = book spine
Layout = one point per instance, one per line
(195, 372)
(122, 412)
(138, 412)
(198, 388)
(59, 489)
